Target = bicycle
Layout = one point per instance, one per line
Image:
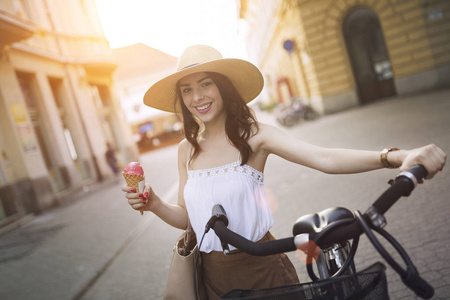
(295, 112)
(331, 231)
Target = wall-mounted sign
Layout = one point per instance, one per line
(435, 14)
(24, 131)
(289, 45)
(383, 70)
(18, 113)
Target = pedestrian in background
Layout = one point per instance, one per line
(222, 161)
(111, 159)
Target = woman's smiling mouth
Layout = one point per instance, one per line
(203, 108)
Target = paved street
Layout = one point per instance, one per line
(95, 247)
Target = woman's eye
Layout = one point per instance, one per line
(206, 83)
(186, 90)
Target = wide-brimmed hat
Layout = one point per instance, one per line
(246, 77)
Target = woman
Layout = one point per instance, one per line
(222, 161)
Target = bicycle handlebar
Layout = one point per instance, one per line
(257, 249)
(403, 185)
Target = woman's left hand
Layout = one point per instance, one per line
(431, 157)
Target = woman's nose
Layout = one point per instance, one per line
(198, 95)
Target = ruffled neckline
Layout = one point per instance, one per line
(231, 168)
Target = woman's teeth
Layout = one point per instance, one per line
(203, 107)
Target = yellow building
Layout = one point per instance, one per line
(58, 106)
(337, 54)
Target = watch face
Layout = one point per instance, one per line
(384, 160)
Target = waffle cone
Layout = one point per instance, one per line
(133, 181)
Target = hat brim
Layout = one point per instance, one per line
(246, 78)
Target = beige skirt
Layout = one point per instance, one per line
(243, 271)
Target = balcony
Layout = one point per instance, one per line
(99, 66)
(13, 29)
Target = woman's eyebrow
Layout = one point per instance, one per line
(198, 81)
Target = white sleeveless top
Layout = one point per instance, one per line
(240, 190)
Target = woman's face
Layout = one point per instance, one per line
(201, 96)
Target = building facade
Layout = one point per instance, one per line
(139, 67)
(337, 54)
(58, 105)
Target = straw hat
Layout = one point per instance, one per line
(246, 78)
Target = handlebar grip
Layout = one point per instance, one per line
(218, 213)
(402, 186)
(419, 172)
(418, 285)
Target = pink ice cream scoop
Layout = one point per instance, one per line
(134, 168)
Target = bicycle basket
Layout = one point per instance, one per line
(369, 284)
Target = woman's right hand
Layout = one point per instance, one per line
(145, 200)
(431, 157)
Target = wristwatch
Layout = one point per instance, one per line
(384, 160)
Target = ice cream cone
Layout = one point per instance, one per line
(133, 181)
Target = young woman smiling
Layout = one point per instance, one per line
(222, 161)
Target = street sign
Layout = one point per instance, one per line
(289, 45)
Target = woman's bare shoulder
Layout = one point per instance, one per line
(184, 147)
(265, 130)
(263, 135)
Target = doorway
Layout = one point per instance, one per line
(368, 54)
(59, 178)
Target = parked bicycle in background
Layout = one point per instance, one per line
(293, 113)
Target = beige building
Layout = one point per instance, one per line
(337, 54)
(58, 105)
(140, 66)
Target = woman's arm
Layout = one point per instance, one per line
(344, 161)
(174, 215)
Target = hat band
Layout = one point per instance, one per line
(190, 66)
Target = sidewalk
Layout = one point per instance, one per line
(97, 248)
(59, 253)
(63, 201)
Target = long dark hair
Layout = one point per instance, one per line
(238, 123)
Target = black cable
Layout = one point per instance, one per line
(195, 266)
(410, 276)
(218, 213)
(383, 252)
